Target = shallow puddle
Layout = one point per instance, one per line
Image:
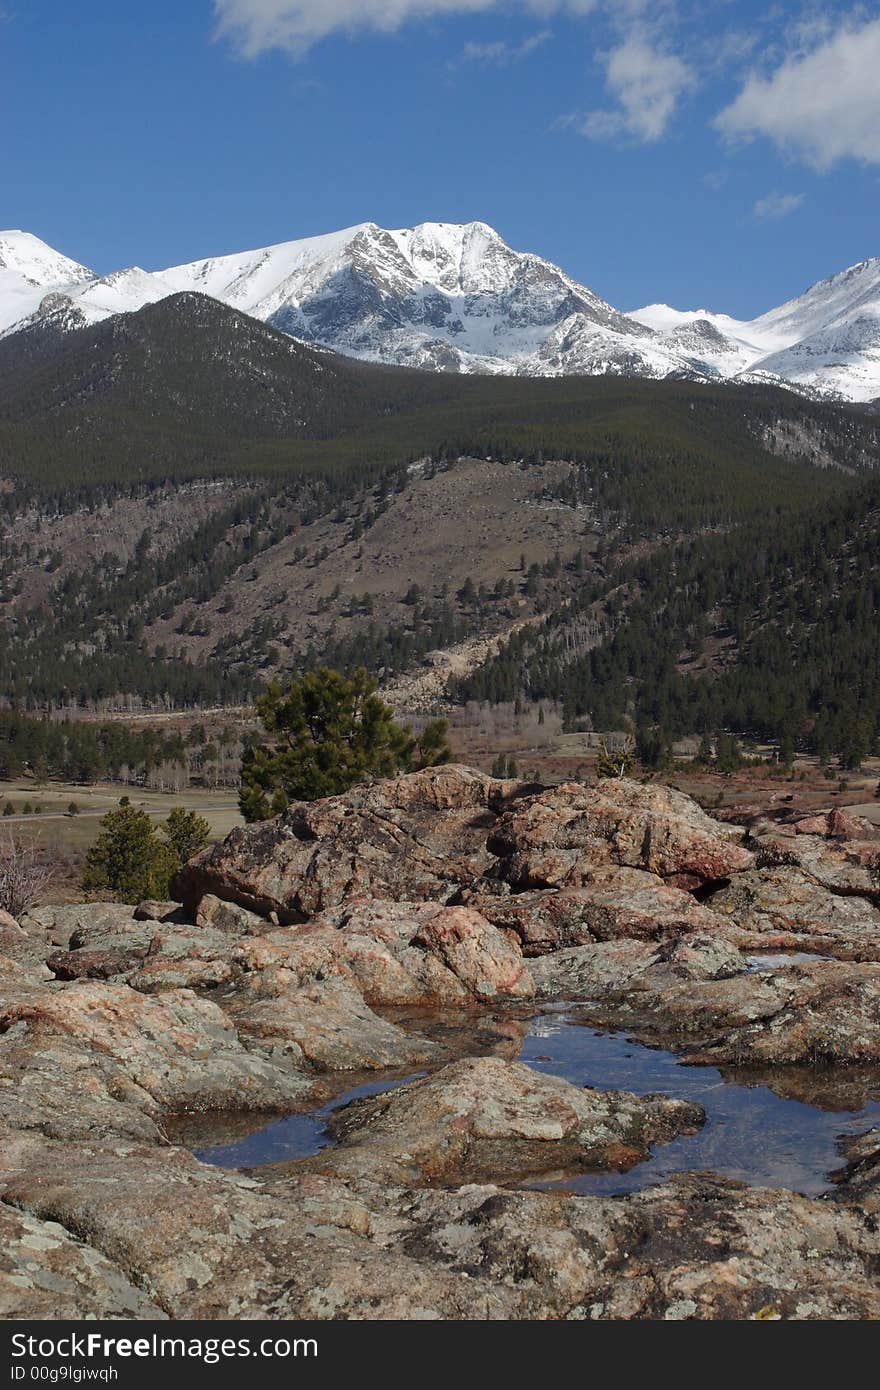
(781, 1134)
(751, 1132)
(293, 1136)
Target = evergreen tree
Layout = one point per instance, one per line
(329, 733)
(704, 752)
(128, 858)
(187, 833)
(786, 751)
(728, 755)
(654, 749)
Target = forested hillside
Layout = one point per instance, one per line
(769, 630)
(667, 553)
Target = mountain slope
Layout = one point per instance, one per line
(827, 339)
(766, 630)
(457, 298)
(188, 360)
(29, 270)
(345, 511)
(189, 388)
(438, 296)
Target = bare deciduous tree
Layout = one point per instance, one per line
(25, 875)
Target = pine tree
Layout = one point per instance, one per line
(128, 859)
(329, 733)
(187, 833)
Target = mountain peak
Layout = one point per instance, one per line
(456, 296)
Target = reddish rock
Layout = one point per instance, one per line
(696, 1248)
(228, 917)
(209, 1244)
(92, 965)
(484, 1117)
(827, 1011)
(616, 903)
(179, 1052)
(834, 825)
(483, 958)
(779, 908)
(395, 953)
(46, 1273)
(562, 837)
(859, 1180)
(329, 1025)
(151, 911)
(62, 923)
(850, 868)
(414, 837)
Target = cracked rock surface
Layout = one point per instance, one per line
(342, 938)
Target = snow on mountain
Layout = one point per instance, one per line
(121, 292)
(438, 295)
(826, 340)
(456, 297)
(29, 270)
(829, 337)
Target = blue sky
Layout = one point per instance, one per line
(723, 153)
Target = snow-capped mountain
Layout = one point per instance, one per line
(29, 270)
(458, 298)
(439, 296)
(826, 340)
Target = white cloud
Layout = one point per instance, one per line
(822, 105)
(502, 53)
(647, 82)
(777, 205)
(256, 26)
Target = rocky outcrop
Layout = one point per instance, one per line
(559, 839)
(396, 954)
(414, 838)
(826, 1012)
(850, 868)
(617, 903)
(211, 1244)
(450, 901)
(484, 1117)
(59, 924)
(859, 1180)
(221, 916)
(695, 995)
(834, 825)
(329, 1025)
(778, 908)
(694, 1249)
(48, 1274)
(177, 1052)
